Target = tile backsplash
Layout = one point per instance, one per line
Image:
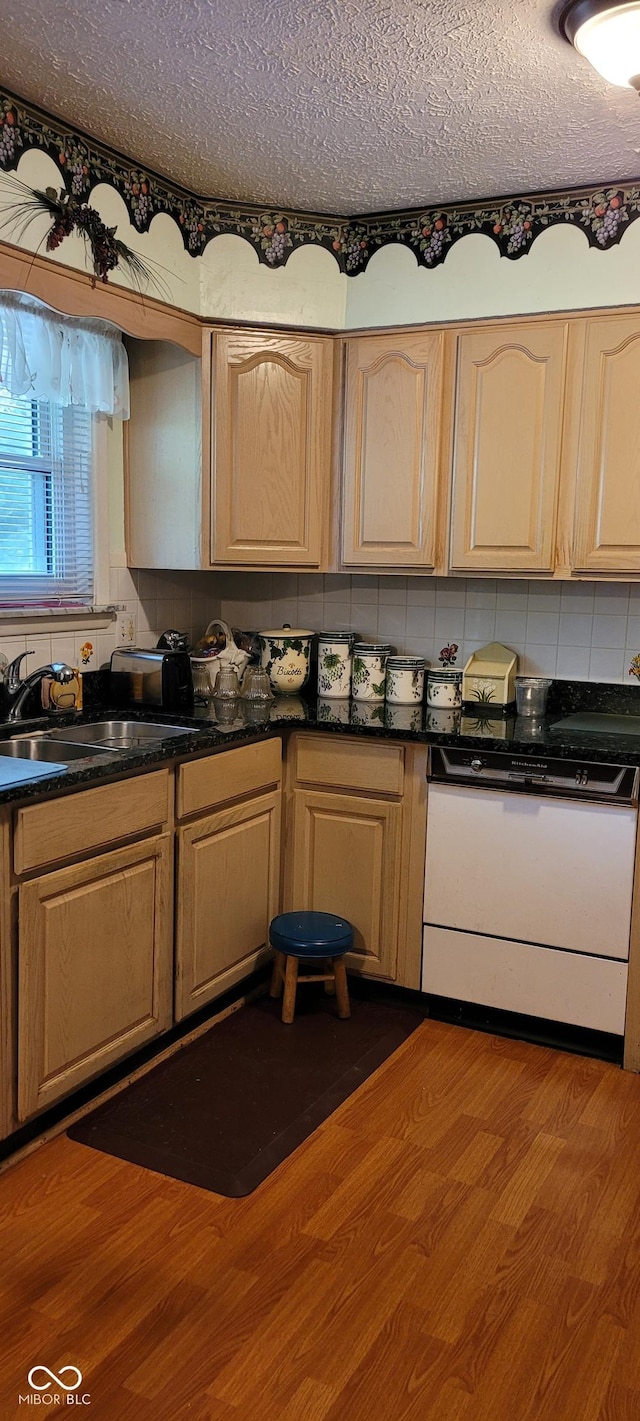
(152, 601)
(575, 631)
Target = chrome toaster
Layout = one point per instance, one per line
(152, 678)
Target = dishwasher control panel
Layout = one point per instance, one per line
(536, 774)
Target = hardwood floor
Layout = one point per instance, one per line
(459, 1242)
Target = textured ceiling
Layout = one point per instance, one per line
(343, 106)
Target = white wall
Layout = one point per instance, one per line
(226, 281)
(559, 272)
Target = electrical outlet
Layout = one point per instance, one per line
(126, 629)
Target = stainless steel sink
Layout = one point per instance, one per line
(118, 734)
(40, 747)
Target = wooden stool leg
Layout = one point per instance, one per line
(277, 975)
(342, 990)
(330, 984)
(290, 985)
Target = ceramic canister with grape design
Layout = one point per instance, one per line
(285, 657)
(334, 664)
(369, 671)
(444, 686)
(405, 680)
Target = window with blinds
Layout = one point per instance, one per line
(46, 533)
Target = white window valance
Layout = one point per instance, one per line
(67, 361)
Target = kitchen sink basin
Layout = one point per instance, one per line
(40, 747)
(118, 734)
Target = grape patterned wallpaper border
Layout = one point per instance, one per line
(513, 223)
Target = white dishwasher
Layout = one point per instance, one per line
(529, 884)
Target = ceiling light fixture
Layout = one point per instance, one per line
(607, 33)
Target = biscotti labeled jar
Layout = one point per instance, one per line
(444, 687)
(286, 654)
(405, 680)
(369, 671)
(334, 664)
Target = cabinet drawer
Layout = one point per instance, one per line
(350, 764)
(76, 824)
(203, 784)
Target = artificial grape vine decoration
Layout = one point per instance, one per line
(69, 214)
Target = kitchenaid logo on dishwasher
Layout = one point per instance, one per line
(54, 1389)
(530, 764)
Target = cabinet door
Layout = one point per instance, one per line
(95, 960)
(228, 891)
(346, 860)
(392, 450)
(7, 990)
(272, 448)
(509, 408)
(608, 484)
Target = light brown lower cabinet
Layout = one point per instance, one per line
(7, 1022)
(228, 889)
(104, 964)
(347, 861)
(95, 967)
(355, 846)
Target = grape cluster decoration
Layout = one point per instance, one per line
(136, 187)
(195, 238)
(431, 236)
(604, 215)
(513, 224)
(271, 232)
(10, 135)
(73, 158)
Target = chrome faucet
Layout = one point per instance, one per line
(18, 689)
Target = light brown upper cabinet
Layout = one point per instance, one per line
(271, 448)
(393, 417)
(228, 458)
(607, 528)
(507, 441)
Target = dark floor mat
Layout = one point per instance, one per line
(226, 1110)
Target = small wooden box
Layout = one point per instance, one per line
(489, 677)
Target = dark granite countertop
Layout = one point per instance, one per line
(217, 729)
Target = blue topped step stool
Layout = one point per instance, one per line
(311, 936)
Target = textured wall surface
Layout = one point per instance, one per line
(334, 105)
